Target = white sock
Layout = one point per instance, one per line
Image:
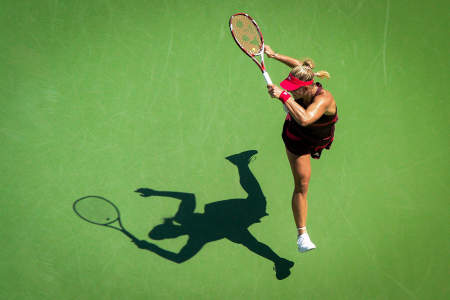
(302, 228)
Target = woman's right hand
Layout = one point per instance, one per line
(270, 53)
(274, 91)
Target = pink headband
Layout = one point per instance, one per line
(291, 83)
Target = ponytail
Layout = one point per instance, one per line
(304, 71)
(322, 74)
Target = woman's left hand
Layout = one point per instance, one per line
(274, 91)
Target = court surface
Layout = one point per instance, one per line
(105, 97)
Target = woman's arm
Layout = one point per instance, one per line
(302, 116)
(289, 61)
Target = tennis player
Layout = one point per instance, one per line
(307, 130)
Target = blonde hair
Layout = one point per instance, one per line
(304, 71)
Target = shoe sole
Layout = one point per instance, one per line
(303, 251)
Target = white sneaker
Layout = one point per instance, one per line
(304, 243)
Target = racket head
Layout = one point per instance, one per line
(246, 34)
(96, 210)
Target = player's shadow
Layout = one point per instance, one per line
(228, 219)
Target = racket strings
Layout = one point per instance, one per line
(96, 210)
(246, 34)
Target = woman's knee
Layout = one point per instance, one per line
(301, 185)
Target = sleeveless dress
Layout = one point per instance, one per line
(311, 139)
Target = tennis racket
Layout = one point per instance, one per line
(248, 37)
(100, 211)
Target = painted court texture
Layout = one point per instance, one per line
(106, 97)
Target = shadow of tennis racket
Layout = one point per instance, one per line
(100, 211)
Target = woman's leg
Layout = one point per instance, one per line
(301, 169)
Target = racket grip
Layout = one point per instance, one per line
(132, 237)
(267, 77)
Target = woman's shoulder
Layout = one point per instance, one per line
(324, 95)
(327, 97)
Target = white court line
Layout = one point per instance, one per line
(386, 23)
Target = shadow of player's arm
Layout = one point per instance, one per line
(187, 205)
(191, 248)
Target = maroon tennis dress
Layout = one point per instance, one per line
(310, 139)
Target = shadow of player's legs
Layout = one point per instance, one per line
(246, 239)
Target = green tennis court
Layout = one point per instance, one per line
(106, 97)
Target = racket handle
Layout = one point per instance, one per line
(132, 237)
(267, 77)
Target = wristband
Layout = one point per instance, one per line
(284, 96)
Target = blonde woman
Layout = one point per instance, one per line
(308, 129)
